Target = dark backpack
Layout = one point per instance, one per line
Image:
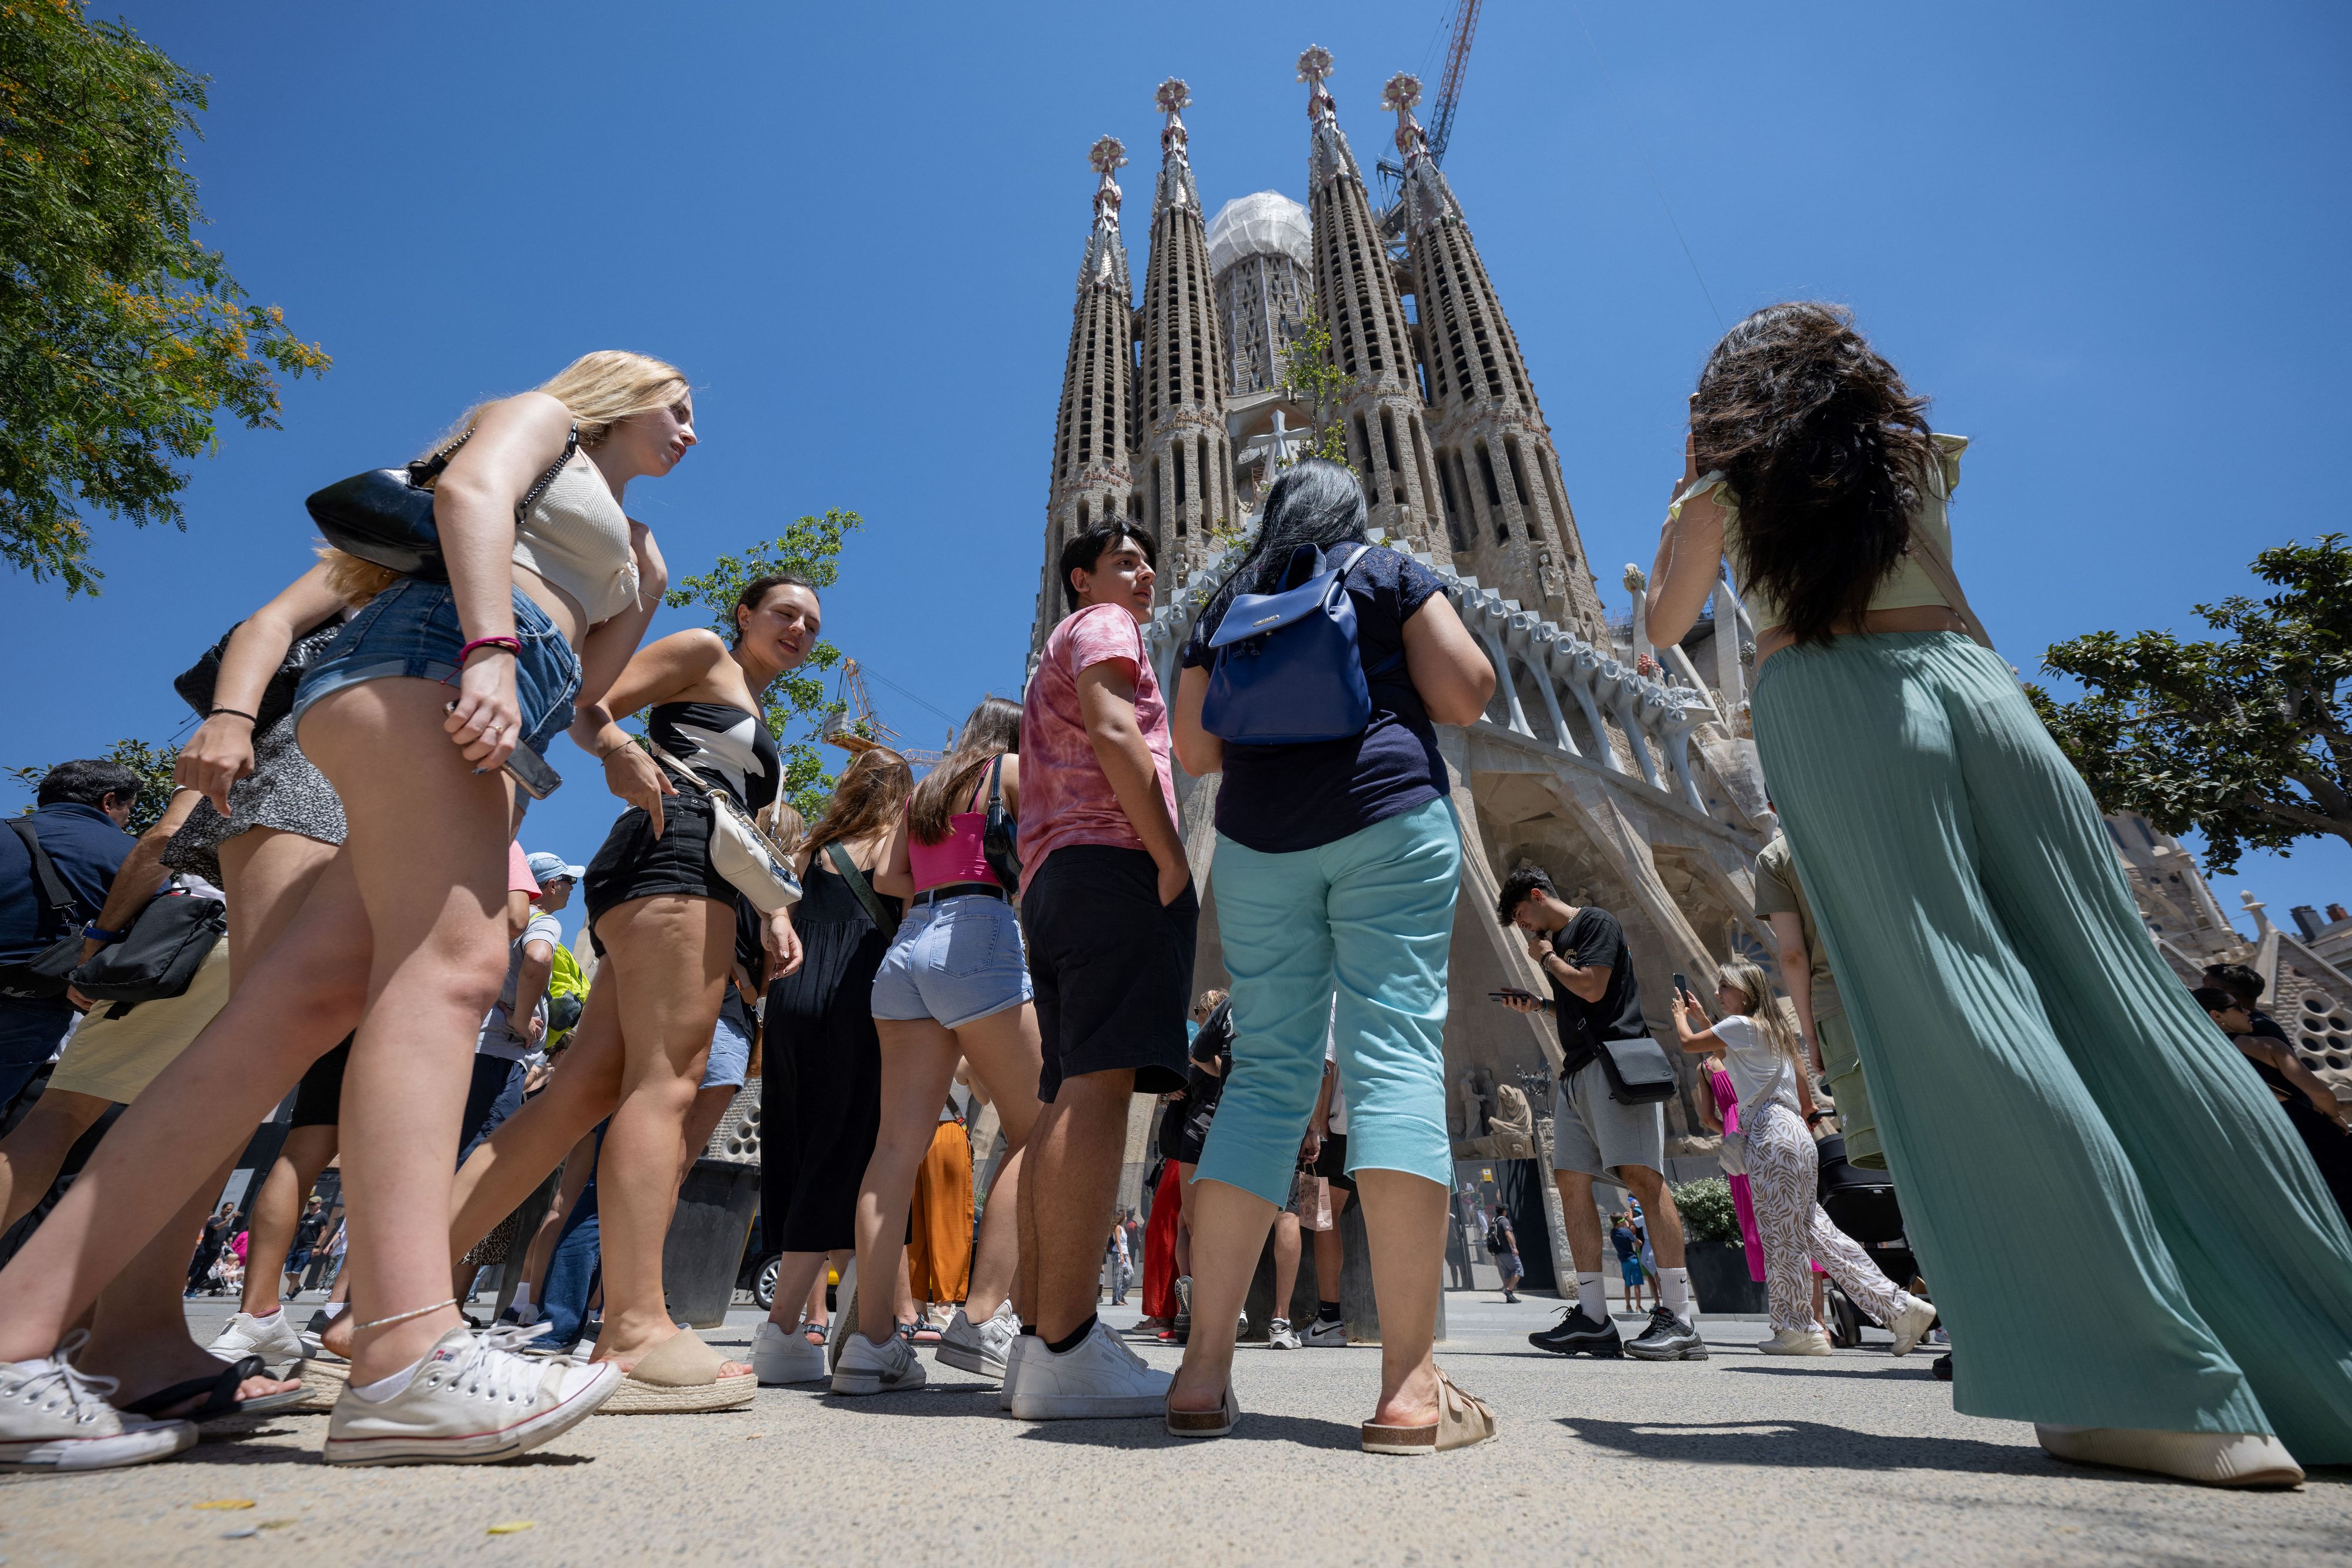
(161, 952)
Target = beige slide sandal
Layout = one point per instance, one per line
(1462, 1419)
(679, 1377)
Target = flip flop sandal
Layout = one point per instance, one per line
(219, 1392)
(1462, 1419)
(679, 1375)
(1205, 1423)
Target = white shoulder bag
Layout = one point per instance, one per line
(754, 862)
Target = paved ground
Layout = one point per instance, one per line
(1856, 1458)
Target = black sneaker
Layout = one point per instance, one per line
(1942, 1369)
(1667, 1338)
(1578, 1334)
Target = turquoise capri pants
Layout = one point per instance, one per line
(1371, 917)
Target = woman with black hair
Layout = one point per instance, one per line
(2028, 1050)
(1337, 865)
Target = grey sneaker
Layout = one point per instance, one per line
(473, 1400)
(1667, 1338)
(55, 1418)
(1280, 1335)
(865, 1367)
(1321, 1334)
(272, 1338)
(979, 1348)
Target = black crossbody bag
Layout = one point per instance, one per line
(384, 517)
(876, 910)
(161, 952)
(1638, 1071)
(999, 834)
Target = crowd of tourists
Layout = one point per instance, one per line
(1971, 990)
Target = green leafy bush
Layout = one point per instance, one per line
(1707, 1210)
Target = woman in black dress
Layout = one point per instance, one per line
(821, 1097)
(2323, 1121)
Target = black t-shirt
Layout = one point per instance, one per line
(1278, 800)
(306, 1231)
(1595, 938)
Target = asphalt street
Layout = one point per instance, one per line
(1856, 1458)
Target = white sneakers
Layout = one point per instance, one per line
(1098, 1377)
(2208, 1459)
(785, 1356)
(55, 1418)
(981, 1348)
(272, 1338)
(1280, 1335)
(1015, 1355)
(1321, 1334)
(1795, 1342)
(865, 1367)
(471, 1401)
(1911, 1325)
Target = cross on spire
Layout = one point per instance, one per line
(1398, 97)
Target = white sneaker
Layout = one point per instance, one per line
(1099, 1377)
(272, 1338)
(1911, 1324)
(865, 1367)
(1241, 1326)
(1015, 1355)
(1280, 1335)
(979, 1348)
(1320, 1334)
(2208, 1459)
(55, 1418)
(471, 1401)
(1795, 1342)
(782, 1355)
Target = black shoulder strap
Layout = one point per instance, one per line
(995, 775)
(876, 910)
(530, 498)
(53, 886)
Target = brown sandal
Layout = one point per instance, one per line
(1462, 1419)
(1204, 1423)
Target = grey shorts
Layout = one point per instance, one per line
(1594, 1133)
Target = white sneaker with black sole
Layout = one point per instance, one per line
(55, 1418)
(982, 1347)
(1280, 1335)
(779, 1356)
(1097, 1377)
(472, 1401)
(865, 1367)
(1322, 1334)
(272, 1338)
(1015, 1355)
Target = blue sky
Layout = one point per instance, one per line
(2109, 240)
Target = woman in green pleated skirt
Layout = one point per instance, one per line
(2038, 1074)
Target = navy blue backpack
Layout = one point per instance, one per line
(1286, 670)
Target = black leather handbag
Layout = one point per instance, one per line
(384, 517)
(999, 834)
(48, 971)
(197, 683)
(1639, 1070)
(161, 952)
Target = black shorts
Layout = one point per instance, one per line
(1331, 1165)
(1112, 968)
(319, 1102)
(634, 863)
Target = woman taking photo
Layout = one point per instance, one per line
(2027, 1050)
(953, 983)
(821, 1098)
(662, 921)
(411, 715)
(1760, 1052)
(1337, 865)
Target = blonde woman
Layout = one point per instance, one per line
(1759, 1051)
(412, 715)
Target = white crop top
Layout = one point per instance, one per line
(577, 537)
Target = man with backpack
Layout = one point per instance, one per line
(82, 809)
(1503, 1242)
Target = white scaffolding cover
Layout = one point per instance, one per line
(1266, 222)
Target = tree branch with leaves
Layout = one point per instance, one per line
(2245, 739)
(1310, 376)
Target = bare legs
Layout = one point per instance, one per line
(278, 1210)
(1286, 1262)
(1657, 1204)
(1331, 1249)
(36, 1149)
(1229, 1228)
(1582, 1221)
(1071, 1189)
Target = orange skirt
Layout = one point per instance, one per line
(939, 1259)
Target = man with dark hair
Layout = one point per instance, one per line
(1109, 916)
(1595, 998)
(84, 807)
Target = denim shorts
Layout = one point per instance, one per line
(410, 629)
(956, 960)
(731, 1045)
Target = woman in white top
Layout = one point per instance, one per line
(1759, 1051)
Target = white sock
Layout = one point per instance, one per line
(376, 1393)
(1674, 1292)
(1590, 1298)
(334, 1309)
(523, 1298)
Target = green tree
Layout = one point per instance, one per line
(2245, 739)
(121, 338)
(1309, 375)
(811, 548)
(151, 763)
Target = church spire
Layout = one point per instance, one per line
(1498, 470)
(1358, 300)
(1092, 480)
(1185, 461)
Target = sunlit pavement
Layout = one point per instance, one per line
(1741, 1458)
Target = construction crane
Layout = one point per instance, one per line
(855, 727)
(1441, 119)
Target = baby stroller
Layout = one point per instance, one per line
(1862, 1203)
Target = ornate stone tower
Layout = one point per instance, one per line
(1357, 298)
(1261, 248)
(1496, 471)
(1185, 458)
(1092, 477)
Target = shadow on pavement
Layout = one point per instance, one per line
(1807, 1445)
(1152, 1432)
(1918, 1372)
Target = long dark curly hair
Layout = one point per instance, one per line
(1827, 451)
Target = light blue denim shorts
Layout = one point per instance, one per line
(955, 961)
(731, 1053)
(410, 629)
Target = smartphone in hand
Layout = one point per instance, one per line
(1683, 986)
(1512, 994)
(532, 774)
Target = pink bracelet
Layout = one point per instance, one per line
(509, 643)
